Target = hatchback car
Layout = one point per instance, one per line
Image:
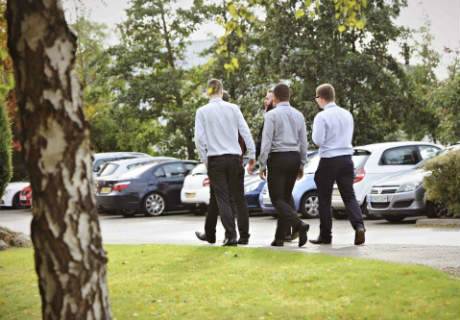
(11, 196)
(152, 189)
(304, 193)
(377, 161)
(402, 195)
(99, 159)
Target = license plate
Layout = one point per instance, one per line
(190, 195)
(106, 189)
(379, 198)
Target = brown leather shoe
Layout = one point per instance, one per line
(360, 237)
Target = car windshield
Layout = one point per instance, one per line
(199, 170)
(108, 169)
(138, 171)
(312, 164)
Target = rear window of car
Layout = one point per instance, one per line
(360, 158)
(138, 171)
(199, 169)
(108, 169)
(400, 156)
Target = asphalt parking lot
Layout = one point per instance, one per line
(437, 247)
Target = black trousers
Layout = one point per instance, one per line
(341, 170)
(227, 196)
(283, 168)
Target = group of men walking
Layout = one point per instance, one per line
(222, 134)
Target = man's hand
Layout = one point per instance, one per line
(299, 174)
(252, 165)
(263, 174)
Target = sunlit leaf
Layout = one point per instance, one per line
(342, 28)
(299, 14)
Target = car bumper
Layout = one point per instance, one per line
(253, 200)
(189, 197)
(405, 203)
(118, 203)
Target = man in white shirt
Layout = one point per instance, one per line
(333, 133)
(217, 125)
(284, 153)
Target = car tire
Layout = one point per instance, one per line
(154, 205)
(16, 204)
(339, 215)
(309, 206)
(434, 210)
(394, 218)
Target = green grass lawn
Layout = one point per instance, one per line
(186, 282)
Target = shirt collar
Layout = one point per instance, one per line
(330, 105)
(283, 104)
(216, 100)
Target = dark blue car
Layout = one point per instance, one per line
(151, 189)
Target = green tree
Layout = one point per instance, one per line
(6, 169)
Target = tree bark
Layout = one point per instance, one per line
(69, 257)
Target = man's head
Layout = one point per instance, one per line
(281, 93)
(214, 89)
(325, 94)
(268, 101)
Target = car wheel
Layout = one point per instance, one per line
(154, 205)
(16, 204)
(395, 218)
(339, 215)
(309, 205)
(435, 210)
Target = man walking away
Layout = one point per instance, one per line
(284, 153)
(216, 138)
(333, 133)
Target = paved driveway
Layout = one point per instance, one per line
(403, 242)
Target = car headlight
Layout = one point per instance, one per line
(411, 186)
(251, 187)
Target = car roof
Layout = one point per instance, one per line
(387, 145)
(133, 160)
(105, 155)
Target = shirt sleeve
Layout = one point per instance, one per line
(267, 137)
(243, 129)
(319, 133)
(303, 143)
(200, 137)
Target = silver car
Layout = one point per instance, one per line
(374, 162)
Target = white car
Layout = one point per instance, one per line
(374, 162)
(99, 159)
(11, 195)
(195, 191)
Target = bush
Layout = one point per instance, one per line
(443, 184)
(6, 169)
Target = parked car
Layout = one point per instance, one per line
(99, 159)
(11, 196)
(402, 195)
(114, 169)
(152, 189)
(377, 161)
(304, 193)
(195, 192)
(25, 197)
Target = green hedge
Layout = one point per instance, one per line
(6, 169)
(443, 185)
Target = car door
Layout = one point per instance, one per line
(171, 183)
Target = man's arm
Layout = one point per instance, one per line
(200, 137)
(303, 143)
(267, 137)
(319, 133)
(243, 129)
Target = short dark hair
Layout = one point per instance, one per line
(214, 87)
(281, 92)
(326, 91)
(225, 96)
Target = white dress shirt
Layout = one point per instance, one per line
(333, 131)
(216, 130)
(284, 131)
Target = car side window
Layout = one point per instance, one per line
(174, 170)
(159, 173)
(400, 156)
(427, 152)
(189, 166)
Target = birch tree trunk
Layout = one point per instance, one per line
(69, 258)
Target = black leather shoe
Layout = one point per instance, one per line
(321, 240)
(229, 242)
(203, 237)
(277, 243)
(243, 241)
(360, 237)
(288, 238)
(303, 229)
